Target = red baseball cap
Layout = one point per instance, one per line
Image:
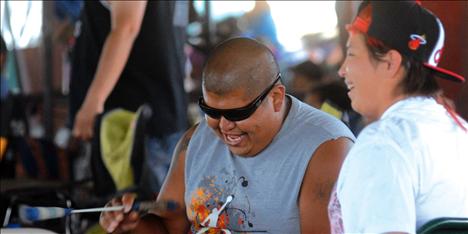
(407, 27)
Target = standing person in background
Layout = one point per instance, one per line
(409, 166)
(258, 24)
(130, 53)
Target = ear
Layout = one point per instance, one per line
(393, 63)
(278, 94)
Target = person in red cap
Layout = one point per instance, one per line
(408, 166)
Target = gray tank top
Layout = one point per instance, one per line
(230, 193)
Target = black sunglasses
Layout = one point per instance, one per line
(237, 114)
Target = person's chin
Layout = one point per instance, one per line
(236, 149)
(355, 105)
(239, 150)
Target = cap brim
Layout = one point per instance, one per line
(445, 74)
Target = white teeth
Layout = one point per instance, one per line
(233, 139)
(349, 86)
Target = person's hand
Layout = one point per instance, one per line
(122, 220)
(84, 121)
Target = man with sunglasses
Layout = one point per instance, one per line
(260, 161)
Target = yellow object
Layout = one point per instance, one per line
(116, 135)
(95, 229)
(326, 107)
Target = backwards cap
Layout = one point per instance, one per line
(408, 28)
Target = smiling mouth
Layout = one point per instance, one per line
(348, 85)
(350, 88)
(233, 139)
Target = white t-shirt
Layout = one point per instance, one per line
(407, 168)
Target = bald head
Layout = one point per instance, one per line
(239, 63)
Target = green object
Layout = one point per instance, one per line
(116, 134)
(445, 225)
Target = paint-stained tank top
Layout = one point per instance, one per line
(229, 193)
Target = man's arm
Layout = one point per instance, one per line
(126, 19)
(174, 187)
(319, 179)
(156, 222)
